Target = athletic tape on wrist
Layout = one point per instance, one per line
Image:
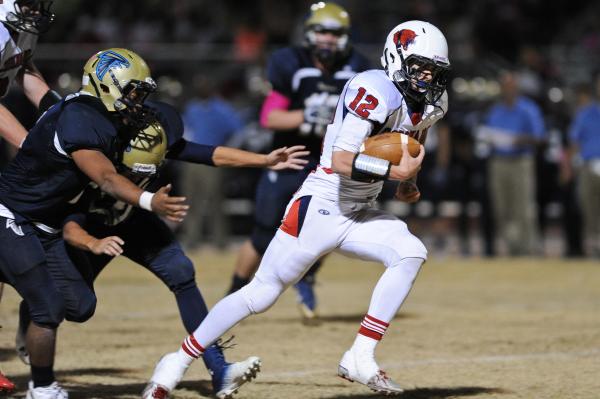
(145, 200)
(368, 168)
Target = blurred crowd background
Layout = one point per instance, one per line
(209, 58)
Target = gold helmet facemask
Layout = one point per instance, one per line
(328, 18)
(121, 80)
(145, 153)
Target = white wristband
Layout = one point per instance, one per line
(145, 200)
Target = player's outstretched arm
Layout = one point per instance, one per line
(10, 128)
(78, 237)
(102, 172)
(280, 158)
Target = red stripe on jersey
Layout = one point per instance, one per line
(290, 223)
(415, 117)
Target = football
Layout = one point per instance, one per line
(389, 146)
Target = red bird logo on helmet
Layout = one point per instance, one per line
(404, 38)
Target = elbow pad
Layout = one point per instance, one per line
(50, 98)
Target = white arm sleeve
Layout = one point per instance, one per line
(352, 134)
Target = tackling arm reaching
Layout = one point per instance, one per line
(102, 172)
(280, 158)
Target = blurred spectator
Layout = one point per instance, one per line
(513, 127)
(584, 138)
(211, 120)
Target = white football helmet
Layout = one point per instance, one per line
(32, 16)
(415, 46)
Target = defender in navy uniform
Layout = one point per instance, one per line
(76, 141)
(306, 83)
(103, 227)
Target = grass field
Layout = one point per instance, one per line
(505, 328)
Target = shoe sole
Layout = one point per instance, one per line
(248, 376)
(343, 373)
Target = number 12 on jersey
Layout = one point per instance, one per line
(364, 108)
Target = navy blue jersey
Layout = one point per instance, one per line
(38, 184)
(292, 73)
(101, 208)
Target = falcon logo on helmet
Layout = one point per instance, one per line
(110, 59)
(121, 80)
(404, 38)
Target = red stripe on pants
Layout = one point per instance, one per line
(290, 223)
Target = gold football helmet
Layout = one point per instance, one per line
(328, 18)
(146, 151)
(121, 80)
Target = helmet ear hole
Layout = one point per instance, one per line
(105, 88)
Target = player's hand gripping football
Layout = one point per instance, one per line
(407, 191)
(173, 208)
(107, 246)
(409, 166)
(287, 158)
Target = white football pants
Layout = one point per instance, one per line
(315, 227)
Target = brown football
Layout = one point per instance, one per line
(389, 146)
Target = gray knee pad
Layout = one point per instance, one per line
(260, 296)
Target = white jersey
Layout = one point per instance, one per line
(369, 104)
(13, 55)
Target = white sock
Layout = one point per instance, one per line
(364, 345)
(184, 358)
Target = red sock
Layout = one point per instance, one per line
(373, 328)
(192, 347)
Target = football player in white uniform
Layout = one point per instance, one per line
(22, 22)
(333, 210)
